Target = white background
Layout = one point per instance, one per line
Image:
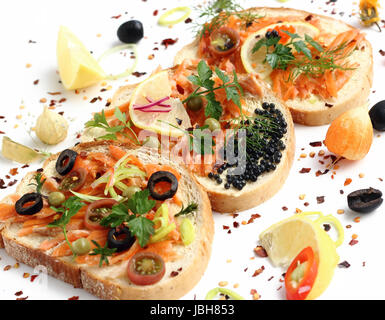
(21, 21)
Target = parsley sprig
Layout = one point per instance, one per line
(139, 204)
(68, 209)
(100, 121)
(281, 56)
(204, 80)
(104, 252)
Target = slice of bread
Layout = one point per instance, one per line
(316, 111)
(111, 282)
(254, 193)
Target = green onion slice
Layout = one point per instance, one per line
(130, 70)
(163, 18)
(214, 292)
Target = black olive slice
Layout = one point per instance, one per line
(66, 161)
(120, 238)
(365, 200)
(159, 177)
(37, 204)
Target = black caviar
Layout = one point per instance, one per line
(264, 147)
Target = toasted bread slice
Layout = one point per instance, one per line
(315, 111)
(111, 282)
(254, 193)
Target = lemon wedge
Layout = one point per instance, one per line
(155, 88)
(285, 239)
(253, 62)
(77, 67)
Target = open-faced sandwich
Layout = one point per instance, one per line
(231, 132)
(319, 66)
(120, 222)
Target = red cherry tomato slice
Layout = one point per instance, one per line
(96, 211)
(301, 275)
(146, 268)
(224, 41)
(74, 180)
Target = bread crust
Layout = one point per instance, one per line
(83, 276)
(321, 113)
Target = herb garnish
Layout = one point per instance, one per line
(39, 182)
(138, 224)
(281, 56)
(69, 208)
(100, 121)
(189, 209)
(104, 252)
(203, 80)
(217, 13)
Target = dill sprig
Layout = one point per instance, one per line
(217, 13)
(312, 58)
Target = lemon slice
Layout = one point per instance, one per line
(253, 62)
(77, 67)
(285, 239)
(155, 88)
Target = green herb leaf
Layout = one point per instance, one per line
(104, 252)
(189, 209)
(39, 182)
(118, 215)
(69, 208)
(313, 43)
(142, 228)
(301, 46)
(139, 202)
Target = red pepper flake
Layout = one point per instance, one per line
(279, 288)
(353, 242)
(54, 93)
(36, 82)
(327, 227)
(226, 227)
(174, 274)
(33, 277)
(24, 298)
(347, 182)
(155, 13)
(260, 252)
(234, 215)
(284, 208)
(320, 199)
(258, 271)
(344, 264)
(74, 298)
(11, 183)
(168, 42)
(316, 144)
(235, 224)
(2, 132)
(2, 184)
(382, 52)
(13, 171)
(180, 89)
(309, 17)
(62, 100)
(18, 293)
(116, 17)
(7, 267)
(306, 204)
(229, 231)
(188, 20)
(305, 170)
(138, 74)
